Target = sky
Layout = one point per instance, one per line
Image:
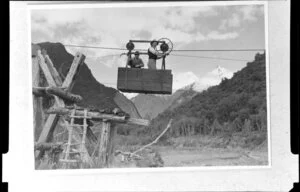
(188, 27)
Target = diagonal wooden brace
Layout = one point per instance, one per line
(52, 120)
(53, 71)
(49, 76)
(69, 80)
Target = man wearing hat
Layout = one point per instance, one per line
(136, 61)
(153, 55)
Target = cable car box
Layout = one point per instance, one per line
(136, 80)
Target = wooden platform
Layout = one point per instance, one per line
(134, 80)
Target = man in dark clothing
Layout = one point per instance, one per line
(136, 62)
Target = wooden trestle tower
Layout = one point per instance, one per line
(75, 149)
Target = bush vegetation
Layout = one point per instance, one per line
(235, 105)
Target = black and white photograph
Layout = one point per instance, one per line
(150, 96)
(170, 86)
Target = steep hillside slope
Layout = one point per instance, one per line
(126, 105)
(149, 106)
(236, 104)
(94, 93)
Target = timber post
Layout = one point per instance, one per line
(106, 148)
(38, 115)
(104, 144)
(111, 145)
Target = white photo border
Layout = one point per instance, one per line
(93, 175)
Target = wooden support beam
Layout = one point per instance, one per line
(47, 146)
(49, 77)
(99, 116)
(41, 92)
(38, 114)
(136, 121)
(111, 145)
(77, 62)
(53, 71)
(45, 69)
(92, 114)
(48, 129)
(104, 145)
(34, 49)
(63, 94)
(57, 91)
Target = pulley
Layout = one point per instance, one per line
(130, 46)
(165, 47)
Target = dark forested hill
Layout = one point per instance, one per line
(236, 104)
(94, 93)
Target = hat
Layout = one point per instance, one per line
(136, 53)
(153, 42)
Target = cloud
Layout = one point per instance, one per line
(188, 79)
(248, 13)
(113, 61)
(183, 18)
(216, 35)
(183, 79)
(233, 21)
(77, 32)
(215, 77)
(142, 34)
(251, 12)
(40, 36)
(173, 22)
(113, 27)
(179, 37)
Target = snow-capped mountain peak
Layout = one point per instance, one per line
(210, 79)
(221, 72)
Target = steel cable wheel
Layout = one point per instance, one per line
(166, 47)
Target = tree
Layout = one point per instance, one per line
(238, 124)
(215, 127)
(247, 126)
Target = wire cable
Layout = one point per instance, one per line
(182, 50)
(114, 55)
(207, 50)
(123, 49)
(179, 55)
(218, 58)
(95, 47)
